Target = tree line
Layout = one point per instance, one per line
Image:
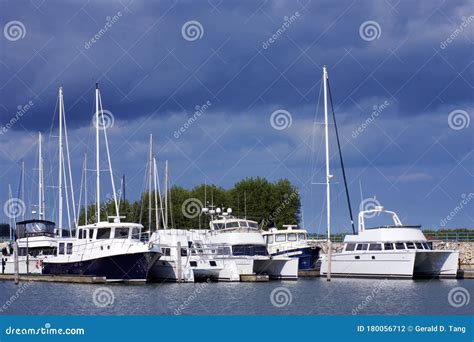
(269, 203)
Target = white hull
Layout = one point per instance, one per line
(34, 265)
(401, 264)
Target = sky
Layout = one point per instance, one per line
(232, 89)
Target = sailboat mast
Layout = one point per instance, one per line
(150, 175)
(328, 175)
(60, 174)
(166, 194)
(85, 188)
(97, 155)
(40, 179)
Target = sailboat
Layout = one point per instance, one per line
(395, 250)
(113, 250)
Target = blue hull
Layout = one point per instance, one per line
(113, 268)
(306, 259)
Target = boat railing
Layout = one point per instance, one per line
(430, 235)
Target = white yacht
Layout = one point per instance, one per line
(36, 240)
(292, 242)
(390, 251)
(239, 245)
(113, 250)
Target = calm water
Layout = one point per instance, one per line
(303, 297)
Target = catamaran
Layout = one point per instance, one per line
(395, 250)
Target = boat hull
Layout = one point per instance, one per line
(123, 267)
(306, 256)
(403, 264)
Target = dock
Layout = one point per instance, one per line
(254, 278)
(73, 279)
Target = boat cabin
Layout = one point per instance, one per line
(105, 230)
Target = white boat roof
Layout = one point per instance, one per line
(284, 231)
(105, 224)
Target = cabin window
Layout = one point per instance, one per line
(103, 233)
(270, 238)
(69, 248)
(426, 245)
(166, 251)
(292, 237)
(218, 226)
(362, 246)
(375, 247)
(280, 238)
(301, 236)
(184, 252)
(193, 263)
(418, 245)
(121, 233)
(388, 246)
(410, 245)
(399, 245)
(243, 224)
(232, 224)
(350, 246)
(79, 235)
(252, 224)
(61, 248)
(135, 233)
(430, 245)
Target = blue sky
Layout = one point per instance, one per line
(401, 74)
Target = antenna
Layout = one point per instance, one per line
(245, 205)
